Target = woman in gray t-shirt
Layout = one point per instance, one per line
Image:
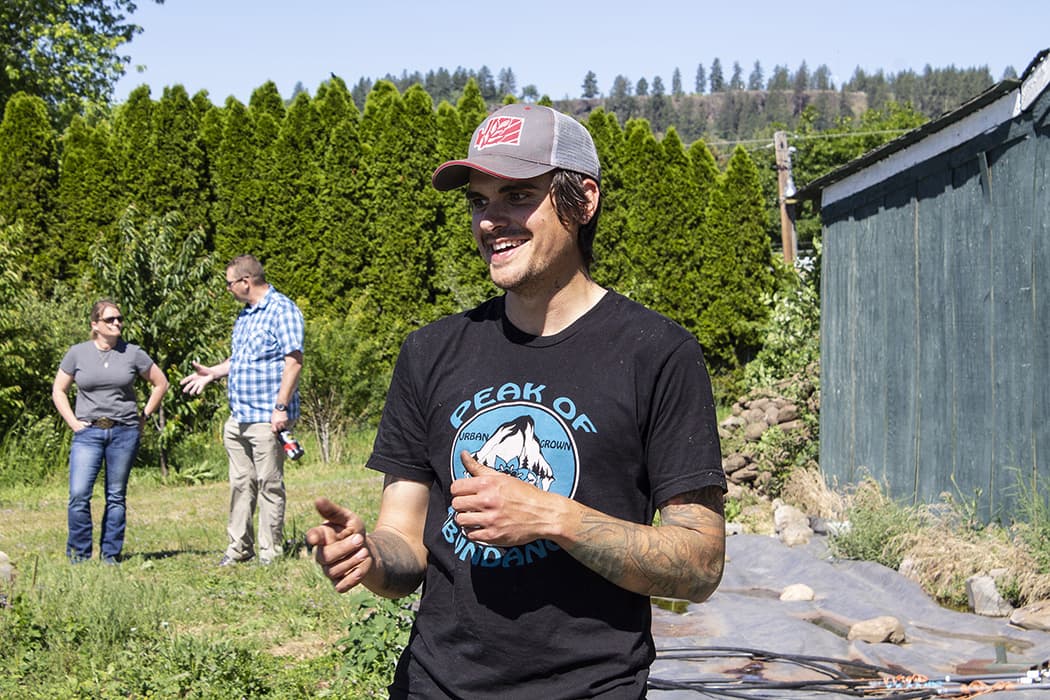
(106, 425)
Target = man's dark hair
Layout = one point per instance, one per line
(570, 204)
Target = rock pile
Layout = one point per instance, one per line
(744, 428)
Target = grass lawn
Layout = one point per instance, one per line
(168, 622)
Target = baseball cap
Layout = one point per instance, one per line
(520, 141)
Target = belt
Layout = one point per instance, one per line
(104, 423)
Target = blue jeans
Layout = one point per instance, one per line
(91, 446)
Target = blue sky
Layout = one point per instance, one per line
(230, 47)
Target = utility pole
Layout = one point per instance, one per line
(785, 189)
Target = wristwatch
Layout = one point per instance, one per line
(280, 407)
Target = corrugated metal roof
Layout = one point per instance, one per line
(1035, 76)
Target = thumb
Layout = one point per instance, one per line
(473, 466)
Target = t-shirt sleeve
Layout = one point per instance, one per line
(683, 451)
(142, 361)
(400, 447)
(69, 362)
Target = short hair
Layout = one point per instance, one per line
(570, 204)
(248, 266)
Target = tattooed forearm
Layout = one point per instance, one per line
(401, 572)
(682, 558)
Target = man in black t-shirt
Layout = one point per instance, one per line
(527, 444)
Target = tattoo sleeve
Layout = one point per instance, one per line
(400, 571)
(682, 558)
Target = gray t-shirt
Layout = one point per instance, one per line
(106, 380)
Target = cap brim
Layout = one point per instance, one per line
(456, 173)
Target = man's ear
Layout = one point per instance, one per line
(593, 193)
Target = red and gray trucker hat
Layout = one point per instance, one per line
(520, 141)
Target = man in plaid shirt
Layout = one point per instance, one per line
(263, 371)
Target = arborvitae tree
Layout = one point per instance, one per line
(680, 203)
(333, 102)
(736, 272)
(700, 85)
(291, 253)
(87, 195)
(176, 178)
(132, 127)
(676, 83)
(611, 257)
(29, 181)
(402, 139)
(344, 242)
(472, 111)
(266, 98)
(705, 174)
(238, 210)
(642, 239)
(202, 103)
(754, 81)
(717, 79)
(590, 85)
(736, 80)
(460, 274)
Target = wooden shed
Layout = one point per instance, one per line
(935, 305)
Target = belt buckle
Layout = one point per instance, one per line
(104, 423)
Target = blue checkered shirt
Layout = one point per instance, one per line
(262, 336)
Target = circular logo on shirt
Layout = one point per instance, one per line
(524, 440)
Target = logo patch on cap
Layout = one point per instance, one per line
(500, 131)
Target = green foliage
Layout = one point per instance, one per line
(166, 285)
(342, 385)
(66, 53)
(1034, 528)
(86, 204)
(376, 635)
(28, 181)
(737, 266)
(792, 337)
(166, 622)
(877, 526)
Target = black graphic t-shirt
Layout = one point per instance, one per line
(614, 412)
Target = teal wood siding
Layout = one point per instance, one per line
(935, 336)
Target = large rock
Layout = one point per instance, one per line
(797, 591)
(984, 597)
(877, 630)
(1033, 617)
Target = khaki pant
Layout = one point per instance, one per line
(256, 475)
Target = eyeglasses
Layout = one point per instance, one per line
(230, 283)
(112, 319)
